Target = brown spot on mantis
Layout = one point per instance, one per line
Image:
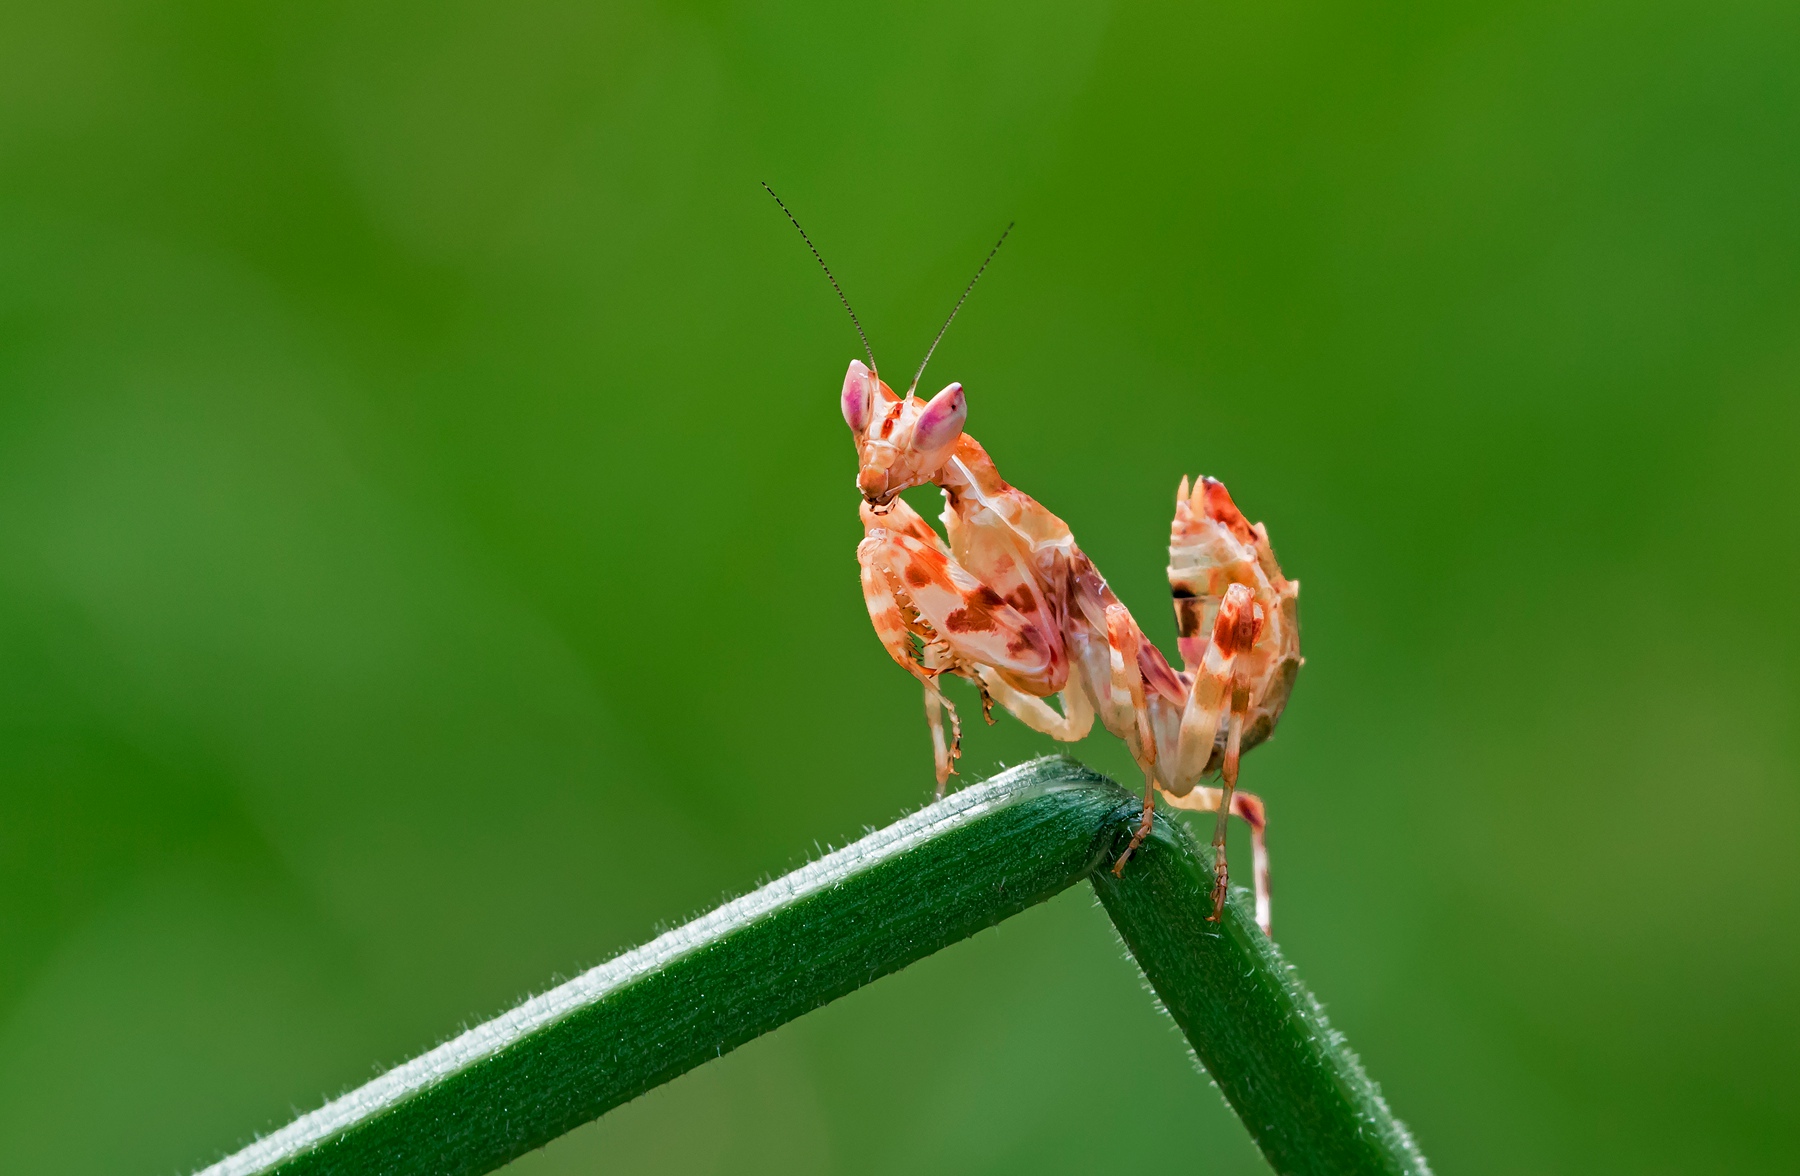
(978, 615)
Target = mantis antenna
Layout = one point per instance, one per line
(856, 322)
(954, 309)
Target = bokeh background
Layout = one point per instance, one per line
(426, 538)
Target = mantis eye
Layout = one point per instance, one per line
(859, 395)
(942, 421)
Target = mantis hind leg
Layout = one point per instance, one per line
(1249, 809)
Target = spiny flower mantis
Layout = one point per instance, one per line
(1007, 600)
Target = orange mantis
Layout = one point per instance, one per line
(1006, 600)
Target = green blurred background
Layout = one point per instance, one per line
(426, 538)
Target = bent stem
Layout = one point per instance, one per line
(1259, 1032)
(965, 863)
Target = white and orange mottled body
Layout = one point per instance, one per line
(1008, 601)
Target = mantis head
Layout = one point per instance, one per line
(900, 443)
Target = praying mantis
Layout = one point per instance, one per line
(1007, 600)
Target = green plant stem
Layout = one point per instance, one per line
(566, 1057)
(1261, 1035)
(563, 1058)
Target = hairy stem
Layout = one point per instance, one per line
(1258, 1031)
(965, 863)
